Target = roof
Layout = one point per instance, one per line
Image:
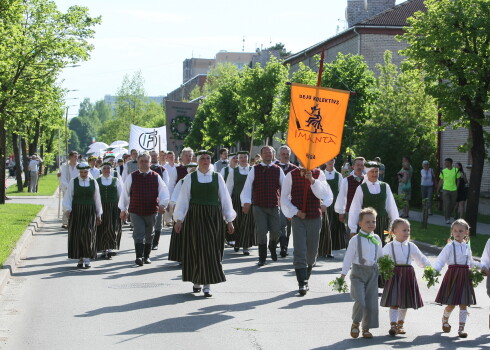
(395, 16)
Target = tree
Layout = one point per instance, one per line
(37, 42)
(450, 43)
(281, 48)
(403, 123)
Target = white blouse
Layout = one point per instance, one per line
(485, 257)
(182, 204)
(401, 253)
(68, 197)
(175, 193)
(446, 256)
(230, 181)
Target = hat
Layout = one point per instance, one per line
(203, 151)
(106, 164)
(83, 166)
(243, 152)
(191, 165)
(370, 165)
(109, 156)
(92, 158)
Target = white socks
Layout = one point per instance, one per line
(393, 315)
(463, 314)
(401, 314)
(446, 314)
(208, 286)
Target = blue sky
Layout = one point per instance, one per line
(155, 36)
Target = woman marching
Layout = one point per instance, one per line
(82, 205)
(110, 231)
(175, 248)
(203, 202)
(244, 223)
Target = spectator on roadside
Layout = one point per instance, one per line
(405, 186)
(449, 183)
(381, 169)
(462, 192)
(427, 183)
(33, 168)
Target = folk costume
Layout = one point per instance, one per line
(285, 232)
(456, 287)
(220, 164)
(244, 223)
(109, 232)
(175, 248)
(306, 232)
(142, 194)
(330, 222)
(94, 172)
(225, 172)
(402, 290)
(160, 170)
(82, 204)
(362, 255)
(204, 207)
(376, 195)
(130, 167)
(262, 190)
(172, 181)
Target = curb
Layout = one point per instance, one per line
(9, 265)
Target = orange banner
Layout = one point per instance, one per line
(316, 123)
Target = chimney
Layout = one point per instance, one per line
(359, 10)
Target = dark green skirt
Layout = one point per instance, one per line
(82, 232)
(325, 243)
(110, 231)
(203, 236)
(175, 248)
(337, 229)
(244, 225)
(382, 224)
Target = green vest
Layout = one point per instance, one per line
(334, 185)
(83, 195)
(238, 181)
(204, 194)
(227, 172)
(108, 194)
(376, 201)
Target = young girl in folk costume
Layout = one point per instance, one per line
(485, 267)
(401, 292)
(456, 287)
(362, 254)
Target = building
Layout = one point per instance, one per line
(196, 66)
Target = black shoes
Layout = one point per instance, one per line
(147, 260)
(155, 247)
(207, 292)
(302, 276)
(303, 289)
(272, 249)
(80, 265)
(196, 289)
(236, 249)
(139, 261)
(262, 254)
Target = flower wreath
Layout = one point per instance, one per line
(174, 126)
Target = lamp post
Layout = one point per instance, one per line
(66, 125)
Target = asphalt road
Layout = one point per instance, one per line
(49, 304)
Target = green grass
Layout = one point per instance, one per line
(14, 219)
(46, 187)
(438, 235)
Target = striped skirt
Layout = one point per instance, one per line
(325, 243)
(382, 224)
(337, 229)
(175, 248)
(203, 235)
(402, 289)
(110, 231)
(82, 230)
(244, 225)
(456, 287)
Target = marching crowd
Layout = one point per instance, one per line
(241, 203)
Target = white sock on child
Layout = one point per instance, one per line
(463, 314)
(401, 314)
(446, 314)
(393, 315)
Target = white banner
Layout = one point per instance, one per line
(147, 139)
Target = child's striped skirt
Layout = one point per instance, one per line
(402, 289)
(456, 287)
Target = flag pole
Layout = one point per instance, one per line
(318, 84)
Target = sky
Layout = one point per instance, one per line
(155, 36)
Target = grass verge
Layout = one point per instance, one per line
(485, 219)
(14, 219)
(438, 235)
(46, 187)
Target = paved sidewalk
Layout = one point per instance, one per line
(483, 229)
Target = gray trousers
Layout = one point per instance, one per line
(364, 292)
(427, 192)
(449, 202)
(266, 220)
(33, 177)
(143, 227)
(158, 222)
(306, 235)
(285, 229)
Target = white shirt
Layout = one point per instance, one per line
(330, 175)
(246, 195)
(165, 176)
(182, 204)
(172, 176)
(163, 195)
(107, 181)
(68, 197)
(126, 172)
(401, 253)
(368, 252)
(485, 257)
(341, 201)
(67, 174)
(220, 165)
(95, 172)
(230, 181)
(320, 189)
(175, 193)
(356, 205)
(426, 177)
(446, 256)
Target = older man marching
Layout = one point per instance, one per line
(144, 195)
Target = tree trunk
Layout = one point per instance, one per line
(18, 161)
(35, 140)
(3, 154)
(25, 160)
(478, 160)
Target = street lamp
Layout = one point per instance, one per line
(66, 125)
